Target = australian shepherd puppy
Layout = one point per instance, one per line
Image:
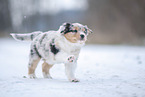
(62, 46)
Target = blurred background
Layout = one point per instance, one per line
(112, 21)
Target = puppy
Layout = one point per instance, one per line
(62, 46)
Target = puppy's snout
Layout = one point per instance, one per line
(82, 36)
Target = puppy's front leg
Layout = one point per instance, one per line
(70, 70)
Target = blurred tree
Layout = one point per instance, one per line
(117, 21)
(5, 18)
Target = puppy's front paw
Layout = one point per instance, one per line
(74, 80)
(71, 58)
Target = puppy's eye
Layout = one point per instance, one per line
(75, 31)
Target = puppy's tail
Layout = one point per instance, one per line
(26, 37)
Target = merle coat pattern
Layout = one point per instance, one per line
(62, 46)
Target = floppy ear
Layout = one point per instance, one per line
(88, 30)
(66, 28)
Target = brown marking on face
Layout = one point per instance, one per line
(72, 37)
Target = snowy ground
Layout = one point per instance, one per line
(103, 70)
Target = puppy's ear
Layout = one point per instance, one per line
(66, 28)
(88, 30)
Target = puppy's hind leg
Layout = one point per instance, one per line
(33, 62)
(31, 68)
(45, 69)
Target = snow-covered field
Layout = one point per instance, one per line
(103, 70)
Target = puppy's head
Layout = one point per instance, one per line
(75, 32)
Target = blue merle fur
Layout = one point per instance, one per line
(53, 47)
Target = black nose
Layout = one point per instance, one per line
(82, 36)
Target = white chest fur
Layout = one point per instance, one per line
(66, 49)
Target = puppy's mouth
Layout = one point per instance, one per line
(82, 40)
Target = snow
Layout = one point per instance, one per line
(103, 70)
